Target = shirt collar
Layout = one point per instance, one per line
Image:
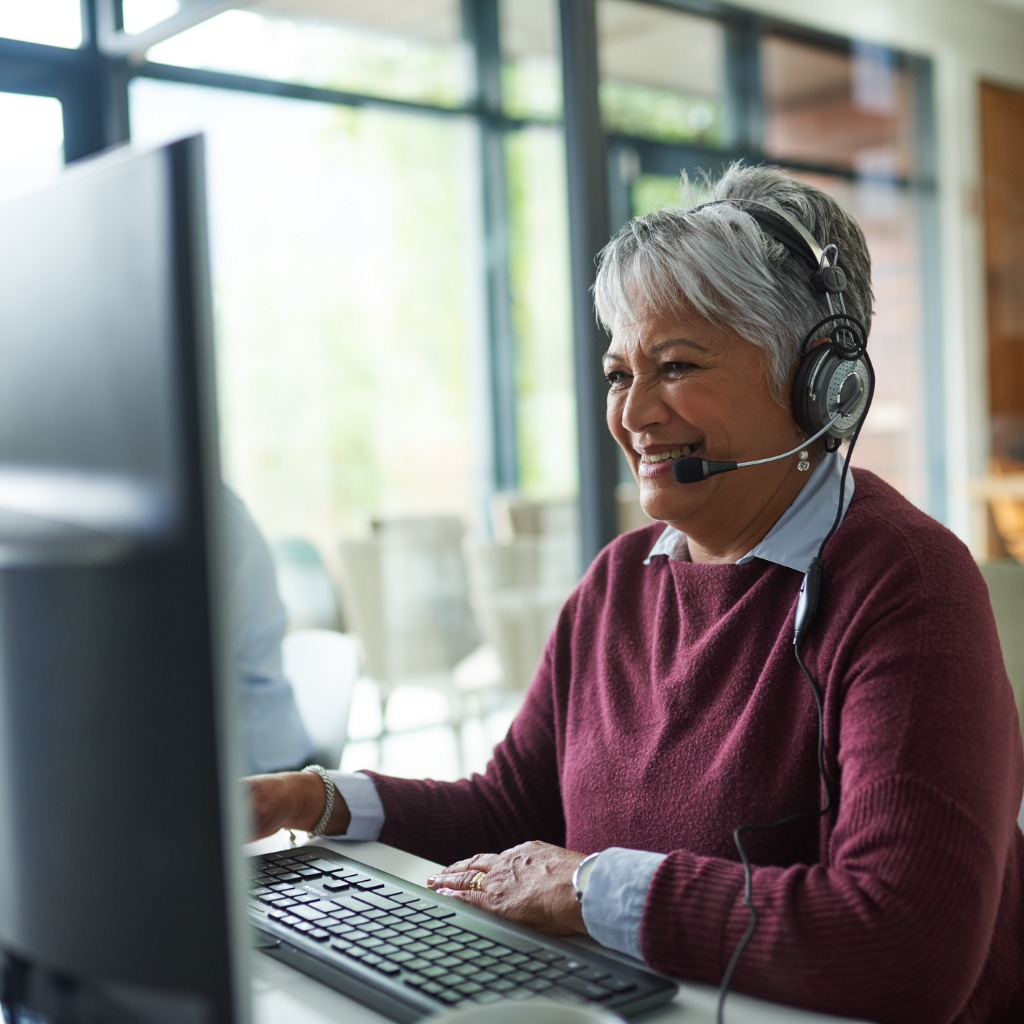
(794, 540)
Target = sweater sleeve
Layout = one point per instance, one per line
(516, 799)
(896, 921)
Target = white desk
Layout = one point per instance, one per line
(282, 995)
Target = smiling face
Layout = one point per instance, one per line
(677, 386)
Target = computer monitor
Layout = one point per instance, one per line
(121, 869)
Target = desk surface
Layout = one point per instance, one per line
(284, 996)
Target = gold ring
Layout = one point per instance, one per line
(475, 882)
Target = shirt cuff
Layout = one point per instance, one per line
(613, 906)
(359, 792)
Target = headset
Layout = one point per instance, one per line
(833, 379)
(831, 394)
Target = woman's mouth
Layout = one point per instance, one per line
(653, 458)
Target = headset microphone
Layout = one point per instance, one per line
(692, 470)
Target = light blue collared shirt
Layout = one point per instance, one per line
(274, 736)
(620, 879)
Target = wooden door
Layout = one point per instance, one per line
(1002, 136)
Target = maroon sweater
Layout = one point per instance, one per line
(669, 708)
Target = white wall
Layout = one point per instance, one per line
(967, 41)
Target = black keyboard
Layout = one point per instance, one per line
(407, 952)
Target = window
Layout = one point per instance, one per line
(531, 65)
(33, 134)
(403, 49)
(662, 73)
(53, 22)
(851, 109)
(541, 314)
(345, 299)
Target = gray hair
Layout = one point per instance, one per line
(715, 261)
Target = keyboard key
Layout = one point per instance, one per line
(440, 912)
(487, 997)
(539, 985)
(325, 867)
(308, 913)
(587, 989)
(324, 906)
(373, 899)
(420, 904)
(619, 984)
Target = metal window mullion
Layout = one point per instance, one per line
(744, 94)
(481, 27)
(588, 199)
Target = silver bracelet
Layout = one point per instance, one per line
(329, 791)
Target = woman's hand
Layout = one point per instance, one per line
(531, 883)
(292, 800)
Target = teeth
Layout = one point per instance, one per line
(675, 453)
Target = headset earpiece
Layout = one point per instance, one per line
(831, 383)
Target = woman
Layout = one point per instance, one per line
(669, 710)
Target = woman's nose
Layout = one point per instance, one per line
(643, 407)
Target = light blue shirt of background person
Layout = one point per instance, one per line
(274, 737)
(618, 884)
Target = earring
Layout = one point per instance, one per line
(804, 464)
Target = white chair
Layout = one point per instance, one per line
(323, 666)
(306, 585)
(627, 504)
(513, 515)
(1007, 510)
(1006, 589)
(518, 588)
(406, 593)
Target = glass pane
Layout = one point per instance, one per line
(138, 15)
(541, 313)
(531, 64)
(852, 110)
(53, 22)
(650, 192)
(32, 128)
(406, 50)
(346, 302)
(662, 73)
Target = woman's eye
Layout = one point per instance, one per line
(674, 369)
(616, 378)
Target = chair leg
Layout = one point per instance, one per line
(460, 749)
(456, 719)
(383, 695)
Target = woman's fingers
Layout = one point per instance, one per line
(530, 883)
(461, 875)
